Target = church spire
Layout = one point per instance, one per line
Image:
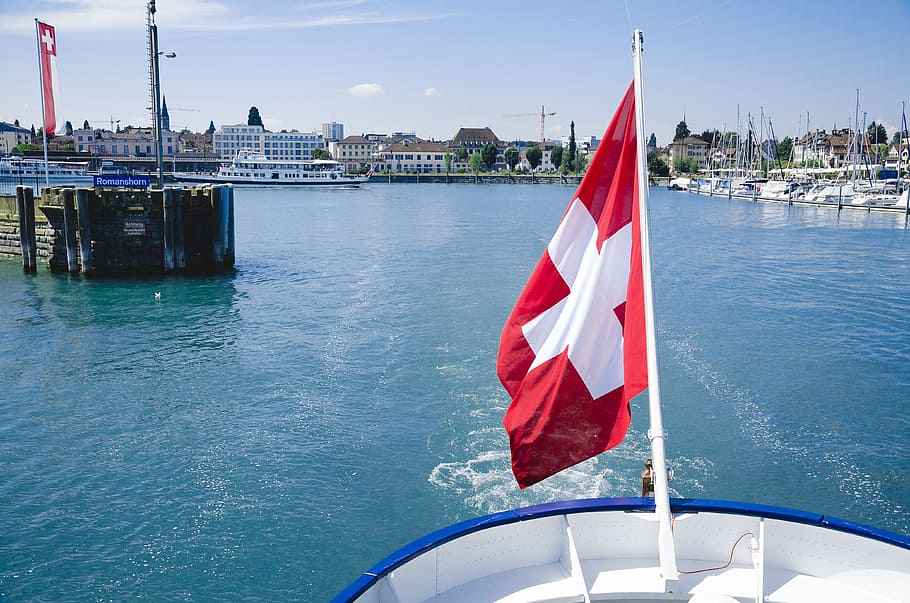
(165, 118)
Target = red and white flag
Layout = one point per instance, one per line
(50, 83)
(573, 353)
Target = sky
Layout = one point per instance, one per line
(433, 66)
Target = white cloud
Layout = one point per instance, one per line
(431, 92)
(366, 90)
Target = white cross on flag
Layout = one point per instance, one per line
(572, 353)
(50, 83)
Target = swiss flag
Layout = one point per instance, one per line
(572, 353)
(50, 82)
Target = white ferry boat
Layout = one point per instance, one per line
(619, 549)
(16, 170)
(249, 168)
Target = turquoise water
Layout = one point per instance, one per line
(271, 433)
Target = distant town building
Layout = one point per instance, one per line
(332, 132)
(11, 136)
(546, 157)
(130, 141)
(195, 142)
(692, 147)
(354, 152)
(229, 140)
(420, 157)
(898, 159)
(473, 139)
(583, 145)
(823, 149)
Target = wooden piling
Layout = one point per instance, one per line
(69, 230)
(25, 202)
(23, 229)
(85, 230)
(230, 252)
(179, 247)
(168, 211)
(217, 227)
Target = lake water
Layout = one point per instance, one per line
(270, 434)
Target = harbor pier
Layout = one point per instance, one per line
(120, 232)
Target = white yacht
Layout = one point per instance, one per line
(250, 168)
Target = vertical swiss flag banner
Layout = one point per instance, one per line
(50, 83)
(573, 353)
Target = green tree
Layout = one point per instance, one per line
(448, 160)
(710, 136)
(488, 154)
(556, 157)
(657, 166)
(211, 129)
(534, 156)
(685, 165)
(511, 156)
(581, 163)
(570, 158)
(461, 154)
(254, 119)
(682, 130)
(784, 148)
(85, 125)
(876, 133)
(652, 141)
(321, 154)
(68, 128)
(475, 163)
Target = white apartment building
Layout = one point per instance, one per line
(229, 140)
(333, 131)
(421, 157)
(11, 136)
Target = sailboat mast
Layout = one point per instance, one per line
(666, 545)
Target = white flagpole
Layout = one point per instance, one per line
(43, 120)
(666, 545)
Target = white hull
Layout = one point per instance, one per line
(254, 169)
(31, 172)
(605, 549)
(250, 181)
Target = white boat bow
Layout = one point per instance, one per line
(603, 549)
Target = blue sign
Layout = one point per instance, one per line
(122, 181)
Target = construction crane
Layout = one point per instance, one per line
(111, 120)
(543, 116)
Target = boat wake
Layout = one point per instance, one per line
(871, 502)
(481, 475)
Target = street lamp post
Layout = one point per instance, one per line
(156, 89)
